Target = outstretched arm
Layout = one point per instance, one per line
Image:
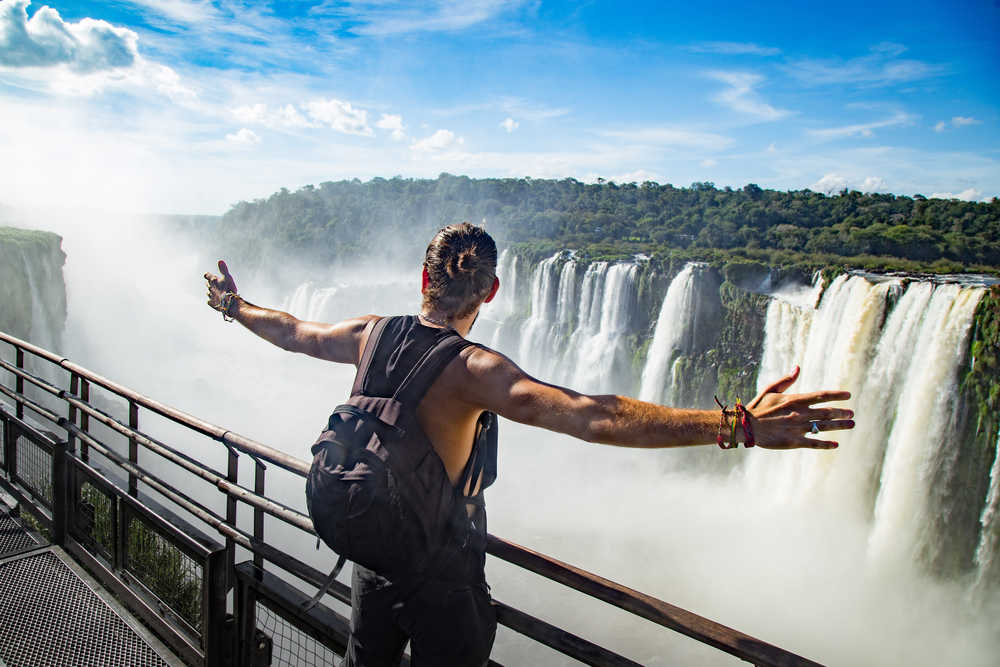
(340, 342)
(779, 420)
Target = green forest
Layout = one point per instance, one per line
(339, 220)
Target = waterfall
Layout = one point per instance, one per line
(673, 327)
(901, 366)
(536, 337)
(925, 417)
(495, 325)
(987, 557)
(597, 359)
(309, 302)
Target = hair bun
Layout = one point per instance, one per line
(467, 261)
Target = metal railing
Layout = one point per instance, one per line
(122, 519)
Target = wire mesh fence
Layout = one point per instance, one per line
(34, 469)
(163, 568)
(289, 644)
(95, 520)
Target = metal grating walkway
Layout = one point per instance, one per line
(13, 538)
(51, 615)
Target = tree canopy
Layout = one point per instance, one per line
(338, 220)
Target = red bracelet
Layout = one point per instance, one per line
(744, 415)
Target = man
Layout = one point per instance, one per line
(453, 624)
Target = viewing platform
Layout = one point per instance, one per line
(53, 613)
(148, 559)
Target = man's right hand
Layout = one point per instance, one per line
(219, 285)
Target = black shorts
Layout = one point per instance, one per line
(447, 623)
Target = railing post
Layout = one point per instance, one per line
(8, 448)
(218, 635)
(60, 492)
(74, 387)
(85, 419)
(19, 382)
(246, 623)
(258, 513)
(133, 448)
(232, 475)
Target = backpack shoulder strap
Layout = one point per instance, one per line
(425, 371)
(361, 378)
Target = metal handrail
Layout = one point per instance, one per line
(658, 611)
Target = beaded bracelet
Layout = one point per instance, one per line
(744, 415)
(226, 304)
(724, 426)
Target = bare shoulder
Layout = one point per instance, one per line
(342, 342)
(482, 377)
(481, 363)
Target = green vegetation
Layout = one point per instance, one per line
(338, 220)
(728, 365)
(30, 264)
(166, 571)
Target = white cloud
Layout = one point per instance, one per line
(734, 48)
(833, 182)
(874, 184)
(84, 57)
(971, 194)
(510, 106)
(509, 124)
(394, 123)
(182, 11)
(956, 121)
(861, 129)
(709, 162)
(830, 183)
(880, 68)
(438, 141)
(280, 117)
(377, 17)
(772, 148)
(243, 137)
(45, 40)
(741, 97)
(674, 137)
(340, 116)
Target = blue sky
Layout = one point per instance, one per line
(192, 105)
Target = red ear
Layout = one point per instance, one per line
(493, 292)
(424, 280)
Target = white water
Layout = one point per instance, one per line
(988, 551)
(669, 337)
(779, 549)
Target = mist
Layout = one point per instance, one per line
(791, 569)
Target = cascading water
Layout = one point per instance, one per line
(309, 302)
(538, 334)
(579, 340)
(596, 359)
(671, 336)
(987, 559)
(903, 377)
(924, 424)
